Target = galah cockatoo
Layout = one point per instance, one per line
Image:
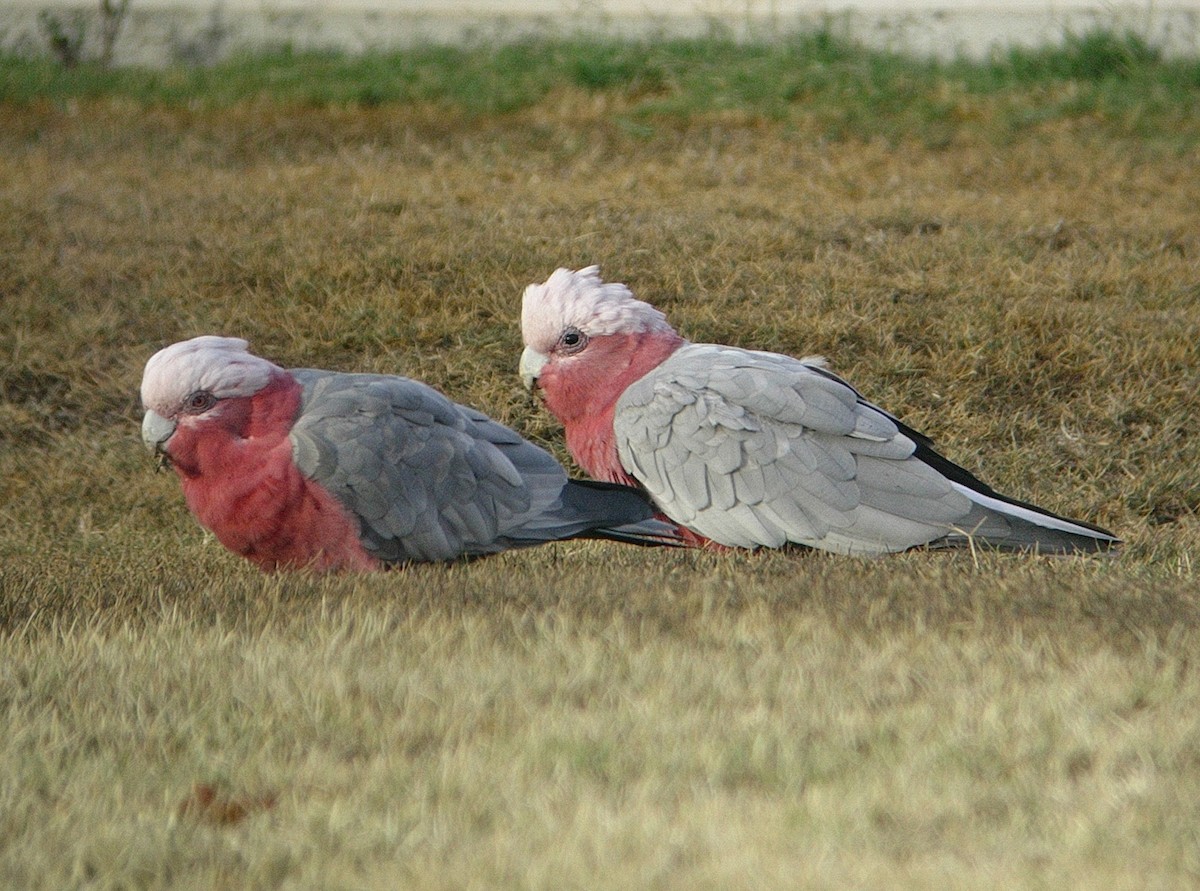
(754, 449)
(325, 470)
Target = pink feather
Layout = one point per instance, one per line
(240, 481)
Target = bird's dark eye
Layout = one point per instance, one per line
(573, 340)
(199, 401)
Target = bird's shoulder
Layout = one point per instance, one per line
(331, 395)
(739, 389)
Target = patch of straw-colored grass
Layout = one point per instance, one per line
(588, 715)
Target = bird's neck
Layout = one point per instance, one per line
(241, 433)
(584, 398)
(241, 481)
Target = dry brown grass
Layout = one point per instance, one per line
(587, 715)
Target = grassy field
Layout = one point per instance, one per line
(1004, 254)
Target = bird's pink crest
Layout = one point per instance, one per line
(221, 365)
(581, 300)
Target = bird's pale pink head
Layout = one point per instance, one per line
(203, 384)
(580, 300)
(586, 340)
(222, 367)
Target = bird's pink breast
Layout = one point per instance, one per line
(278, 519)
(244, 485)
(591, 441)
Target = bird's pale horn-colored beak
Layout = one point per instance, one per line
(532, 363)
(156, 430)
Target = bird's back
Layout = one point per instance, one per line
(430, 479)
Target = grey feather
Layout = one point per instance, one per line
(428, 479)
(759, 449)
(722, 489)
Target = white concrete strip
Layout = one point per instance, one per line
(160, 32)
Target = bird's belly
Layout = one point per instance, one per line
(281, 521)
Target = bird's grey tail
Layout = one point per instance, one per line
(618, 513)
(1011, 525)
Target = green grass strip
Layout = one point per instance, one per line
(1115, 78)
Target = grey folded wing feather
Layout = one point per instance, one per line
(752, 449)
(428, 479)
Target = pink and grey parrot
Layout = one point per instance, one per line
(755, 449)
(328, 471)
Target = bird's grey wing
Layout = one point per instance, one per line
(427, 479)
(752, 448)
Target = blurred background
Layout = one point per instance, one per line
(164, 32)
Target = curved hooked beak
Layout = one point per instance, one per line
(156, 430)
(532, 363)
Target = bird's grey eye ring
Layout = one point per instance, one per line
(572, 340)
(199, 401)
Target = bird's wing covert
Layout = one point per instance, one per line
(753, 448)
(428, 479)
